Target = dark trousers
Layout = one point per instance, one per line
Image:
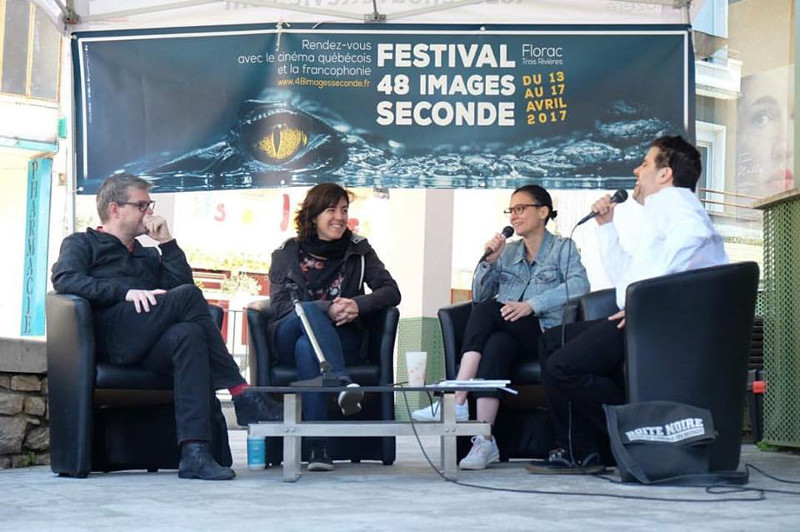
(499, 342)
(579, 378)
(340, 345)
(177, 337)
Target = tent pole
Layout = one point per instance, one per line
(72, 142)
(374, 16)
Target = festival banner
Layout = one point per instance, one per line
(378, 106)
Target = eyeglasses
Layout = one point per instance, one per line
(519, 209)
(141, 205)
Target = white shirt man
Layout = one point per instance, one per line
(676, 236)
(586, 372)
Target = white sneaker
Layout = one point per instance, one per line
(483, 453)
(434, 412)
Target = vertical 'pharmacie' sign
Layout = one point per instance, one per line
(37, 228)
(382, 106)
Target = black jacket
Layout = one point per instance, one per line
(97, 266)
(361, 265)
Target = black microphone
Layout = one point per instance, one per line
(506, 232)
(619, 197)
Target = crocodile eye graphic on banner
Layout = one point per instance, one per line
(387, 106)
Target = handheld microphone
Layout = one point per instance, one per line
(506, 232)
(619, 197)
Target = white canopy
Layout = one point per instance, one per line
(79, 15)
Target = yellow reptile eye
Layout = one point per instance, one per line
(282, 142)
(275, 137)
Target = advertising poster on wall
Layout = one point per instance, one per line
(417, 106)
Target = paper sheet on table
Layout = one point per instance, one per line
(480, 383)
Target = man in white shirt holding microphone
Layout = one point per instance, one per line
(587, 370)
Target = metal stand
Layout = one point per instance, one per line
(325, 379)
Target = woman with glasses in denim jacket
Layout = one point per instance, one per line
(519, 290)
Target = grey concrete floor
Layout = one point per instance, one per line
(369, 496)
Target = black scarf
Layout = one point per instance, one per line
(327, 249)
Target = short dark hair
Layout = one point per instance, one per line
(319, 198)
(683, 158)
(115, 190)
(540, 195)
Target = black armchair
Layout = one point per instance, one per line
(107, 417)
(265, 370)
(522, 428)
(527, 372)
(688, 340)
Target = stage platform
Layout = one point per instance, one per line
(370, 496)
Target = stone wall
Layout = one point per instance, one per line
(24, 432)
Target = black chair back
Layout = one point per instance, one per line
(599, 304)
(688, 340)
(453, 320)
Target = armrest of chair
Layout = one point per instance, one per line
(259, 315)
(453, 320)
(596, 305)
(382, 327)
(71, 371)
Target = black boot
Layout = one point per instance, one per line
(197, 462)
(255, 407)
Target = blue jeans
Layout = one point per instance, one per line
(338, 344)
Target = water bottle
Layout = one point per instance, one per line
(256, 452)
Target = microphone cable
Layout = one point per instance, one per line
(566, 290)
(756, 494)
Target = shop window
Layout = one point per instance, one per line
(29, 51)
(711, 143)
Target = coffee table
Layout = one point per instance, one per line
(293, 428)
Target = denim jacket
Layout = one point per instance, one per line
(541, 284)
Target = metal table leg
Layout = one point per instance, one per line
(448, 439)
(292, 407)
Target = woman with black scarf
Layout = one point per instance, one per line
(326, 266)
